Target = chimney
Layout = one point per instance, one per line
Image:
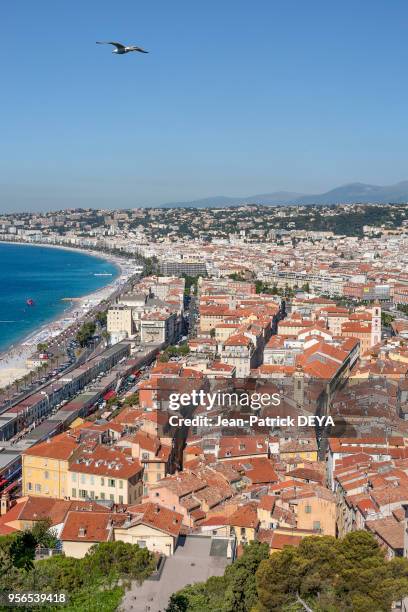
(5, 504)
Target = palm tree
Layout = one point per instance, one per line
(24, 380)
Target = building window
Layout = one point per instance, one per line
(308, 509)
(112, 497)
(243, 531)
(46, 474)
(111, 482)
(316, 525)
(74, 477)
(38, 488)
(141, 543)
(121, 499)
(102, 495)
(74, 493)
(83, 478)
(120, 484)
(102, 482)
(82, 493)
(92, 480)
(29, 486)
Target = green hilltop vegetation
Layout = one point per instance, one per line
(323, 574)
(95, 583)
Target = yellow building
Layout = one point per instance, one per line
(45, 467)
(297, 450)
(244, 524)
(224, 330)
(265, 511)
(317, 512)
(64, 467)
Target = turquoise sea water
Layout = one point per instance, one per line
(46, 276)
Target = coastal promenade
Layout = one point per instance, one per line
(66, 334)
(55, 333)
(71, 395)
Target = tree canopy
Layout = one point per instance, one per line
(329, 574)
(85, 333)
(325, 573)
(174, 351)
(95, 582)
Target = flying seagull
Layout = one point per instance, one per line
(121, 49)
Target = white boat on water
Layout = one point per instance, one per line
(102, 273)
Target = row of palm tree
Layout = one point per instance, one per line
(32, 375)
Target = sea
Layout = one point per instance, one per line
(46, 276)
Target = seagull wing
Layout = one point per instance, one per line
(140, 50)
(115, 44)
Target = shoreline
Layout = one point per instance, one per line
(44, 245)
(13, 358)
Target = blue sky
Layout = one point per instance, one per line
(235, 98)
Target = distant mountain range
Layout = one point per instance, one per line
(346, 194)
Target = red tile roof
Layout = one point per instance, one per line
(157, 517)
(89, 526)
(245, 516)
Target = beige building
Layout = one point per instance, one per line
(151, 526)
(82, 530)
(239, 351)
(158, 327)
(265, 511)
(106, 474)
(120, 320)
(148, 525)
(153, 455)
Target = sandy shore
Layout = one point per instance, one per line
(13, 361)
